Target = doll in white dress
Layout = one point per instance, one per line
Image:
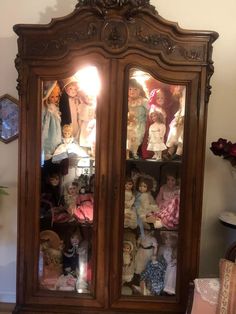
(51, 120)
(137, 108)
(69, 147)
(169, 251)
(175, 135)
(128, 261)
(147, 247)
(156, 134)
(130, 216)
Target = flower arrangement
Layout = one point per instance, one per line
(225, 149)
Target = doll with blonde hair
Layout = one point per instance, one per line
(51, 119)
(137, 109)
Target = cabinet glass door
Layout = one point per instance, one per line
(154, 148)
(67, 211)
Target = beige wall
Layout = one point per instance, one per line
(219, 185)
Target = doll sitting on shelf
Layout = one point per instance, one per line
(68, 148)
(84, 206)
(144, 201)
(167, 200)
(128, 261)
(130, 216)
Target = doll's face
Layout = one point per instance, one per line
(72, 190)
(170, 181)
(134, 92)
(74, 239)
(126, 248)
(54, 181)
(54, 97)
(72, 89)
(128, 185)
(143, 187)
(67, 132)
(154, 117)
(160, 99)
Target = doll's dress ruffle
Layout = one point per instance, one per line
(68, 149)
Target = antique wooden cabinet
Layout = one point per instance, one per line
(113, 107)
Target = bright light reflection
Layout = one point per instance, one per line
(141, 77)
(89, 80)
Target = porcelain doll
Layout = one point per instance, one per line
(69, 105)
(130, 216)
(87, 122)
(146, 248)
(144, 201)
(169, 251)
(137, 103)
(128, 261)
(156, 101)
(132, 142)
(51, 121)
(70, 196)
(167, 200)
(156, 134)
(69, 147)
(84, 206)
(71, 254)
(175, 135)
(153, 277)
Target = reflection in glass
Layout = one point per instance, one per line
(154, 148)
(67, 187)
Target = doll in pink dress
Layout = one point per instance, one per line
(156, 134)
(84, 210)
(167, 201)
(137, 103)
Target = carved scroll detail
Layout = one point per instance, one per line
(40, 48)
(169, 46)
(19, 68)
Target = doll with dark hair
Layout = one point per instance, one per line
(137, 108)
(68, 105)
(130, 216)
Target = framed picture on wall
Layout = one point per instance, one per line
(9, 118)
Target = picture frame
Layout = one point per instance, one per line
(9, 118)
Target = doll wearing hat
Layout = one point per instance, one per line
(51, 119)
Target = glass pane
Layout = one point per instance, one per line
(67, 182)
(154, 147)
